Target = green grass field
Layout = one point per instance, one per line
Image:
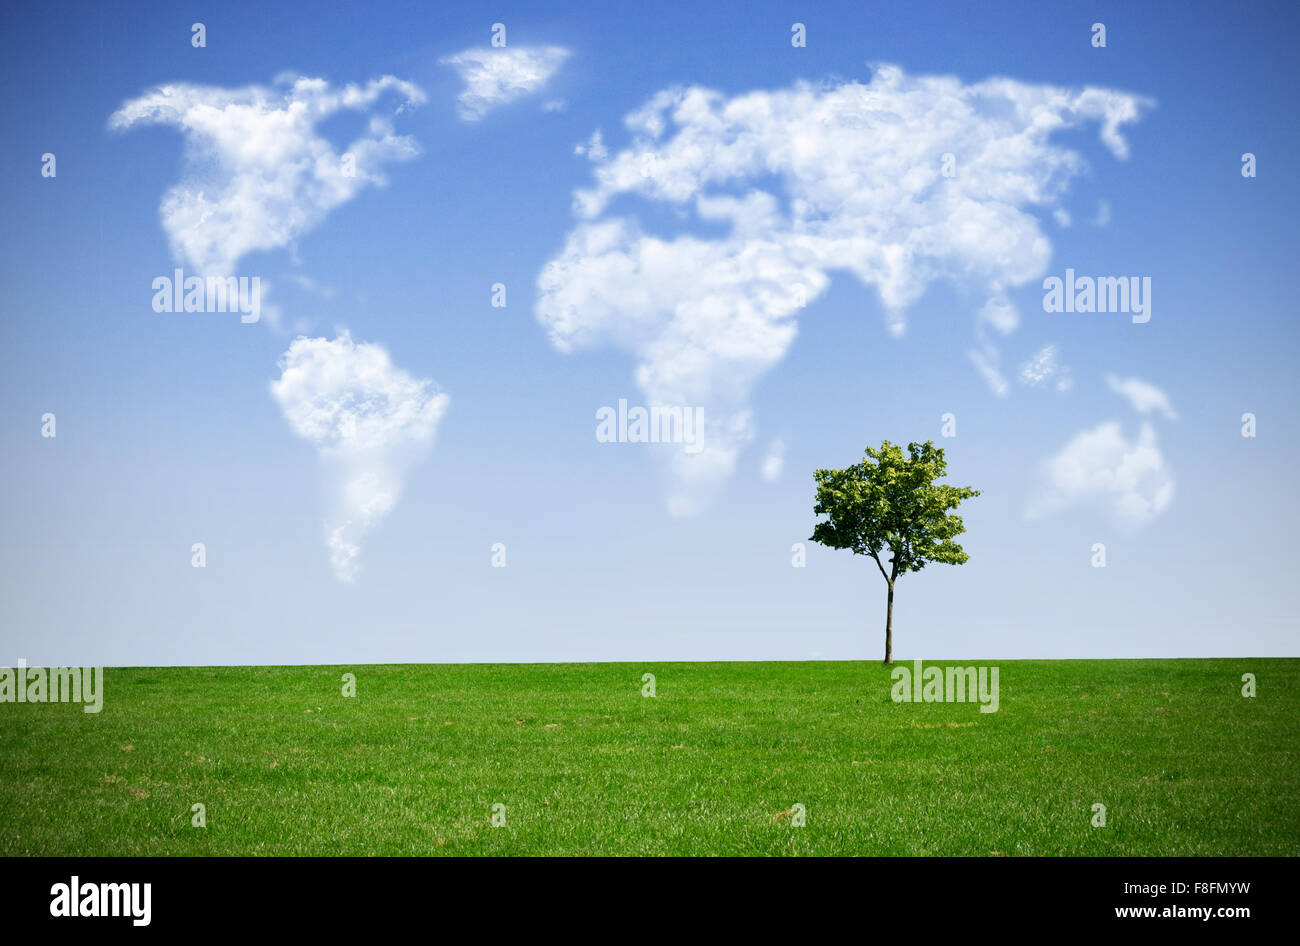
(713, 764)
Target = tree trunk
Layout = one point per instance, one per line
(889, 627)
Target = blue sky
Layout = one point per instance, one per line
(168, 432)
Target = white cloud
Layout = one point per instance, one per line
(257, 175)
(370, 422)
(1001, 314)
(1103, 214)
(774, 461)
(1044, 368)
(853, 182)
(310, 285)
(1129, 479)
(1142, 396)
(986, 361)
(1062, 218)
(594, 148)
(495, 77)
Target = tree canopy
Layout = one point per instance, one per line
(889, 506)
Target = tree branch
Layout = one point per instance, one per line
(880, 566)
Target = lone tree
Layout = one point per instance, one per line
(889, 504)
